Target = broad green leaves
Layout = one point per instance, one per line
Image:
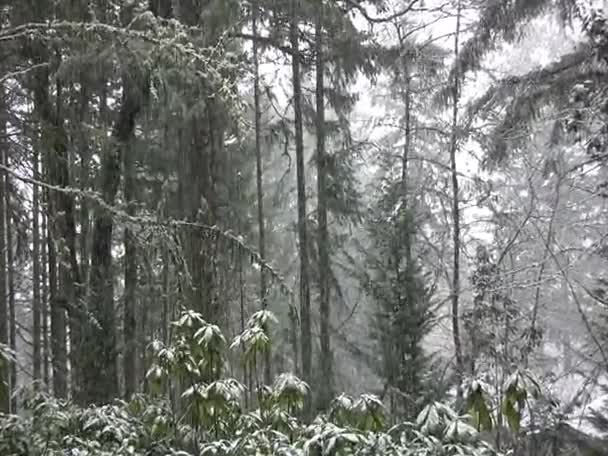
(434, 416)
(289, 392)
(478, 408)
(518, 388)
(255, 340)
(365, 413)
(145, 426)
(351, 426)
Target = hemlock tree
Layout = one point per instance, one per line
(404, 316)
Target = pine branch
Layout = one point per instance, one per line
(499, 20)
(546, 76)
(528, 94)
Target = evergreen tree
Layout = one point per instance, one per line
(405, 310)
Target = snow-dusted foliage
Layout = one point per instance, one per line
(193, 410)
(148, 426)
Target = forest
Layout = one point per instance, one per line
(304, 227)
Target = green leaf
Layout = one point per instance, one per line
(512, 405)
(512, 414)
(479, 411)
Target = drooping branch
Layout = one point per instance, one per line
(233, 239)
(501, 21)
(380, 20)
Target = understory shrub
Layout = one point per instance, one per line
(192, 410)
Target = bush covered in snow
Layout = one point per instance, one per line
(193, 409)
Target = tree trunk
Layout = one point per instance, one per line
(100, 373)
(144, 329)
(165, 319)
(306, 335)
(247, 379)
(60, 205)
(36, 305)
(260, 190)
(75, 307)
(129, 322)
(326, 381)
(84, 171)
(58, 333)
(198, 206)
(456, 214)
(45, 300)
(407, 128)
(401, 375)
(293, 326)
(100, 381)
(11, 286)
(4, 315)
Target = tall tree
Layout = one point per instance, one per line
(130, 280)
(259, 172)
(4, 316)
(406, 95)
(326, 381)
(10, 259)
(44, 298)
(455, 291)
(36, 273)
(306, 333)
(393, 275)
(58, 347)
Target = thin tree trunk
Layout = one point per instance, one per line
(166, 298)
(404, 226)
(44, 302)
(539, 276)
(247, 379)
(326, 383)
(36, 305)
(58, 320)
(144, 328)
(259, 182)
(405, 158)
(129, 322)
(293, 322)
(72, 277)
(167, 294)
(85, 164)
(11, 287)
(4, 312)
(456, 213)
(306, 334)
